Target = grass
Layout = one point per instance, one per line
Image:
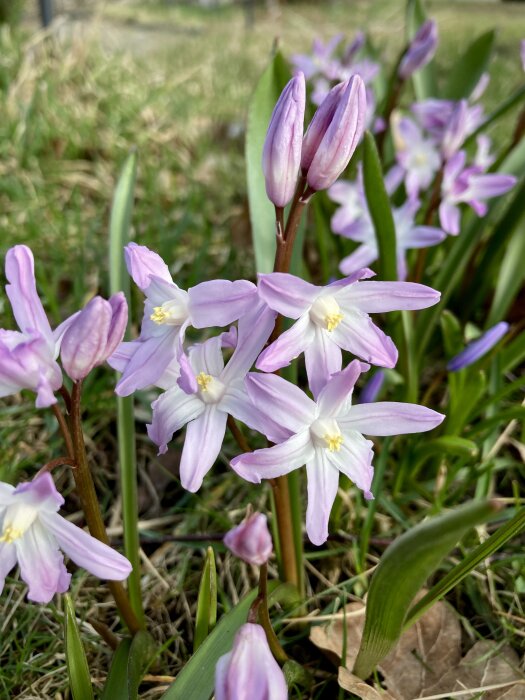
(69, 114)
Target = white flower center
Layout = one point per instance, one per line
(211, 389)
(325, 433)
(171, 313)
(326, 313)
(18, 519)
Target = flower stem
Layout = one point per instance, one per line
(259, 612)
(90, 505)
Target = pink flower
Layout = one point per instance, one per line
(251, 540)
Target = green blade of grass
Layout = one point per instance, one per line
(402, 571)
(470, 562)
(119, 227)
(206, 615)
(77, 665)
(116, 686)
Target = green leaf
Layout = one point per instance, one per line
(447, 445)
(262, 211)
(423, 80)
(119, 227)
(380, 211)
(196, 680)
(469, 67)
(513, 354)
(116, 686)
(206, 616)
(130, 662)
(469, 563)
(402, 571)
(77, 665)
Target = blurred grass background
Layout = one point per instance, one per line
(173, 81)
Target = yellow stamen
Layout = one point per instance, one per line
(11, 534)
(203, 380)
(333, 442)
(159, 315)
(332, 321)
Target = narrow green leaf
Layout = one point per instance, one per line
(469, 67)
(423, 80)
(469, 563)
(119, 228)
(196, 680)
(500, 111)
(380, 211)
(77, 665)
(141, 654)
(402, 571)
(206, 616)
(513, 354)
(262, 212)
(447, 445)
(116, 686)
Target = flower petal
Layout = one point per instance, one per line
(207, 357)
(323, 481)
(390, 418)
(362, 256)
(336, 395)
(41, 563)
(287, 346)
(202, 445)
(143, 262)
(377, 297)
(358, 334)
(281, 401)
(276, 460)
(86, 551)
(237, 403)
(354, 460)
(148, 362)
(449, 218)
(322, 358)
(219, 302)
(7, 561)
(287, 294)
(171, 411)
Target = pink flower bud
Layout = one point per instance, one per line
(251, 540)
(249, 670)
(282, 148)
(93, 335)
(421, 50)
(334, 132)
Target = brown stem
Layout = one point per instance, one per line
(90, 505)
(107, 635)
(281, 494)
(66, 396)
(264, 617)
(64, 429)
(54, 463)
(237, 434)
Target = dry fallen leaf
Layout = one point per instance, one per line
(426, 663)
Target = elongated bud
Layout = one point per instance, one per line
(421, 49)
(475, 350)
(334, 132)
(94, 335)
(371, 389)
(282, 148)
(251, 540)
(249, 670)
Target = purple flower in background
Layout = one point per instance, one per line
(522, 53)
(94, 335)
(28, 357)
(480, 87)
(479, 347)
(333, 134)
(435, 116)
(320, 60)
(371, 389)
(251, 540)
(33, 533)
(468, 185)
(206, 392)
(282, 147)
(421, 50)
(168, 311)
(326, 436)
(417, 155)
(249, 669)
(483, 158)
(335, 318)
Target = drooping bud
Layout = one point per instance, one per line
(333, 134)
(475, 350)
(249, 668)
(94, 335)
(421, 49)
(251, 540)
(282, 148)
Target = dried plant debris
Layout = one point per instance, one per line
(427, 661)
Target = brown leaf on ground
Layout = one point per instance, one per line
(426, 661)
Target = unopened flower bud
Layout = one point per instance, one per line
(251, 540)
(333, 134)
(282, 148)
(475, 350)
(249, 670)
(94, 335)
(371, 389)
(421, 49)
